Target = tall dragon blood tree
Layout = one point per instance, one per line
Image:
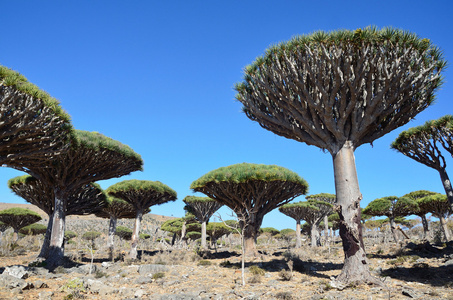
(424, 144)
(33, 126)
(251, 191)
(337, 91)
(202, 208)
(91, 157)
(114, 210)
(88, 199)
(141, 194)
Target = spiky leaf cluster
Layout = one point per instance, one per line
(91, 235)
(391, 206)
(33, 126)
(327, 88)
(92, 157)
(123, 232)
(436, 204)
(118, 209)
(311, 211)
(424, 143)
(251, 189)
(17, 217)
(216, 230)
(88, 199)
(201, 207)
(33, 229)
(142, 194)
(416, 196)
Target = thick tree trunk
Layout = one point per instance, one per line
(135, 234)
(203, 235)
(315, 238)
(110, 238)
(392, 229)
(355, 268)
(250, 232)
(15, 235)
(44, 253)
(425, 226)
(56, 250)
(298, 237)
(443, 224)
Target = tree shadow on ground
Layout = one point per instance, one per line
(425, 250)
(435, 276)
(310, 268)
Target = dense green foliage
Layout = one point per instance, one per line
(140, 185)
(304, 44)
(244, 172)
(97, 141)
(9, 77)
(21, 212)
(91, 235)
(123, 232)
(33, 229)
(68, 234)
(270, 230)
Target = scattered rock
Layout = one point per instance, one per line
(449, 263)
(143, 280)
(45, 295)
(409, 293)
(151, 269)
(16, 271)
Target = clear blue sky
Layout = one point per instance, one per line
(159, 75)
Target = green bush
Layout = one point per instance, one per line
(123, 232)
(33, 229)
(255, 270)
(91, 235)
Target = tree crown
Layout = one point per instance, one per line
(141, 185)
(240, 173)
(9, 77)
(17, 211)
(96, 141)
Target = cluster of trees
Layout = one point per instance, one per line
(336, 91)
(417, 203)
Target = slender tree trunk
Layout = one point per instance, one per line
(110, 238)
(56, 251)
(298, 237)
(203, 235)
(447, 186)
(355, 268)
(443, 224)
(392, 229)
(135, 234)
(425, 226)
(326, 229)
(44, 253)
(15, 235)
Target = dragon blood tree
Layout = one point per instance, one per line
(421, 210)
(141, 194)
(312, 212)
(86, 200)
(328, 198)
(438, 205)
(391, 207)
(33, 126)
(202, 208)
(90, 157)
(337, 91)
(251, 191)
(423, 144)
(17, 218)
(114, 210)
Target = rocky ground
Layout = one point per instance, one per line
(418, 271)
